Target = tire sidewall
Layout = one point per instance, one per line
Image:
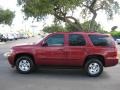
(93, 60)
(29, 59)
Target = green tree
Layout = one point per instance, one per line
(6, 16)
(54, 28)
(86, 26)
(97, 27)
(60, 8)
(115, 34)
(71, 28)
(114, 28)
(110, 7)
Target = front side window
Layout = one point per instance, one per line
(55, 40)
(101, 40)
(76, 40)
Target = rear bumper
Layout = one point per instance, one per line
(111, 62)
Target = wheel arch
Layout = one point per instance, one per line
(100, 57)
(24, 54)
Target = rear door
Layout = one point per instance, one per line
(76, 49)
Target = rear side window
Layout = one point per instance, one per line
(76, 40)
(101, 40)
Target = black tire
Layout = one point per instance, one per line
(20, 66)
(93, 67)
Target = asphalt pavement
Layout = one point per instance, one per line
(54, 79)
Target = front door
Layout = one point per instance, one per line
(53, 53)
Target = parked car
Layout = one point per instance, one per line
(10, 36)
(118, 41)
(3, 38)
(15, 36)
(91, 51)
(25, 36)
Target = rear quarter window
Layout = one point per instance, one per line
(101, 40)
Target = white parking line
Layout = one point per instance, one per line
(6, 54)
(1, 43)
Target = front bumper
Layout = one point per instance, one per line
(11, 58)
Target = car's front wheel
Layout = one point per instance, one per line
(24, 64)
(93, 67)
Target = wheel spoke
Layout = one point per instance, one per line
(94, 68)
(24, 65)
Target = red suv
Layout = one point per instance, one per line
(91, 51)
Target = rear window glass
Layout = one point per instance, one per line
(101, 40)
(76, 40)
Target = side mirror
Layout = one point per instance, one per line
(44, 43)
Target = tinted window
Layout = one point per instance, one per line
(101, 40)
(55, 40)
(76, 40)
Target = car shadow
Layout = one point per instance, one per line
(66, 74)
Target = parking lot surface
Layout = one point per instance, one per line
(54, 79)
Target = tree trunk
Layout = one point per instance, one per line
(75, 24)
(66, 19)
(93, 11)
(92, 22)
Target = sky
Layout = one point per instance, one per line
(19, 22)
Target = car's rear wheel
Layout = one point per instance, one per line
(93, 67)
(24, 64)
